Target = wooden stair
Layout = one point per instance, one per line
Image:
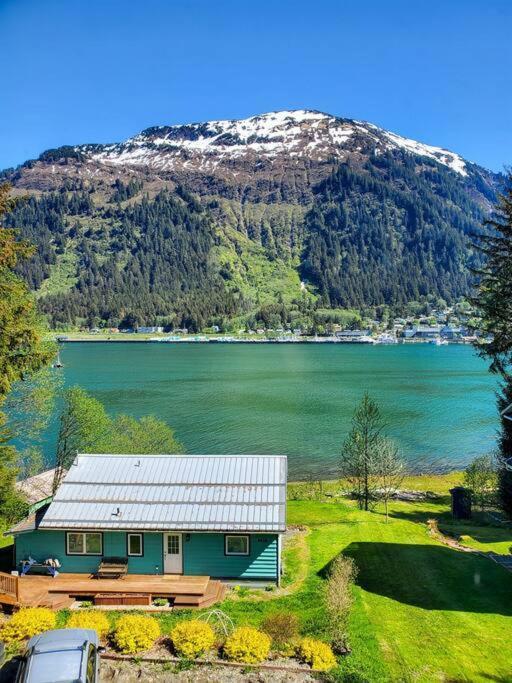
(45, 599)
(215, 592)
(58, 602)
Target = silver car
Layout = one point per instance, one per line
(66, 655)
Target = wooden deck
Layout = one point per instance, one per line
(61, 591)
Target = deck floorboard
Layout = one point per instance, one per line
(33, 588)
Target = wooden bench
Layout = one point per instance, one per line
(112, 568)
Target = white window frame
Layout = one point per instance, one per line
(128, 552)
(232, 554)
(84, 534)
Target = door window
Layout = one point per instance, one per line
(173, 544)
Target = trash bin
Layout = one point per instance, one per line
(461, 502)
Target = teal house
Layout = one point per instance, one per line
(221, 516)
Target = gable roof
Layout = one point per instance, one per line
(172, 492)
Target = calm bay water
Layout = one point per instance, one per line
(295, 399)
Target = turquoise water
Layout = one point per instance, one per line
(296, 400)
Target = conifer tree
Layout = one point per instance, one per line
(22, 349)
(494, 301)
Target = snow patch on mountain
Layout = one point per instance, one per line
(443, 156)
(288, 133)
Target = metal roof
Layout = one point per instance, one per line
(172, 492)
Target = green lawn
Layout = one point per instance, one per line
(424, 612)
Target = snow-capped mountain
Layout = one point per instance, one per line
(226, 218)
(301, 133)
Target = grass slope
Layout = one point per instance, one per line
(423, 612)
(63, 275)
(246, 268)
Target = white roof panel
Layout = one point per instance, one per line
(166, 492)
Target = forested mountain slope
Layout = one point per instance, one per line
(269, 216)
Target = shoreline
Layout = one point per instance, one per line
(61, 339)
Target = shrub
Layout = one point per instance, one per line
(89, 619)
(289, 648)
(282, 627)
(192, 638)
(134, 633)
(26, 623)
(339, 597)
(317, 654)
(160, 602)
(247, 645)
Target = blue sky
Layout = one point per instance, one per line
(79, 71)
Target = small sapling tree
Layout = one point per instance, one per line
(360, 450)
(390, 470)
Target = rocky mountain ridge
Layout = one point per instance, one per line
(254, 208)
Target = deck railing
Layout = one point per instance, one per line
(9, 584)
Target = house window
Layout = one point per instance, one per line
(135, 547)
(84, 543)
(237, 545)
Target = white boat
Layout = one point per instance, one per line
(439, 342)
(386, 338)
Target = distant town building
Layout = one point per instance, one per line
(423, 332)
(451, 332)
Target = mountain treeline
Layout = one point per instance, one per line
(385, 231)
(148, 261)
(389, 235)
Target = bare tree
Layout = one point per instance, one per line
(339, 598)
(360, 450)
(390, 471)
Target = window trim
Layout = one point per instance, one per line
(230, 554)
(85, 553)
(134, 533)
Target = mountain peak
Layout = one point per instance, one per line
(300, 133)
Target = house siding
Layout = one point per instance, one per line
(203, 554)
(43, 544)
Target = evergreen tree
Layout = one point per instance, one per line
(494, 301)
(358, 464)
(22, 350)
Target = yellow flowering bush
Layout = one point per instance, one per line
(135, 633)
(192, 638)
(317, 654)
(90, 619)
(26, 623)
(247, 645)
